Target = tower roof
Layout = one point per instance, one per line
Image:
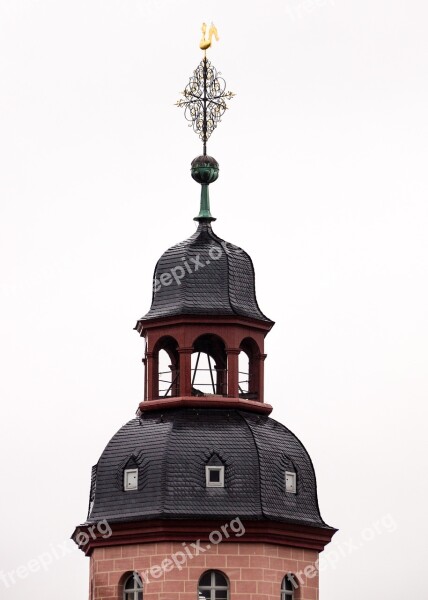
(204, 275)
(171, 451)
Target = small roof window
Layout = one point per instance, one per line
(214, 476)
(130, 479)
(290, 482)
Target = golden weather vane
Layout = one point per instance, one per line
(206, 43)
(205, 95)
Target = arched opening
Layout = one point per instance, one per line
(165, 374)
(244, 374)
(132, 587)
(213, 585)
(166, 363)
(209, 366)
(289, 586)
(249, 370)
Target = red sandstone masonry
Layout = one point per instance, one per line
(255, 570)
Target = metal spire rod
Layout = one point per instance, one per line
(205, 108)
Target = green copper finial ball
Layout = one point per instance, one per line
(205, 169)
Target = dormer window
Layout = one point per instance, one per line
(214, 476)
(290, 482)
(130, 479)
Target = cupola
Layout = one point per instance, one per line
(204, 320)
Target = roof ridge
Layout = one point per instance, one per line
(219, 239)
(259, 458)
(311, 463)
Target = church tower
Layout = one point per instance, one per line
(202, 496)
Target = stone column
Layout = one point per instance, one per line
(232, 372)
(261, 370)
(185, 371)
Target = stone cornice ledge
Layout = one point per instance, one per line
(205, 402)
(141, 532)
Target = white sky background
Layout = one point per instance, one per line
(323, 181)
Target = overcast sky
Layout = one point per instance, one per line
(323, 159)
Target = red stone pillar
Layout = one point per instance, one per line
(261, 376)
(185, 371)
(152, 375)
(144, 361)
(175, 377)
(232, 372)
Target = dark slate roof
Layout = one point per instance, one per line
(171, 451)
(212, 277)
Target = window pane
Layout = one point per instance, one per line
(129, 585)
(220, 579)
(287, 588)
(205, 580)
(290, 481)
(214, 476)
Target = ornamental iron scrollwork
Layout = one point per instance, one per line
(204, 100)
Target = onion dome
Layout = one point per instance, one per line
(204, 275)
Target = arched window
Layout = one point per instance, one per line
(287, 588)
(213, 585)
(133, 588)
(209, 366)
(166, 363)
(249, 370)
(166, 374)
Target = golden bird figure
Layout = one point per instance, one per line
(206, 43)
